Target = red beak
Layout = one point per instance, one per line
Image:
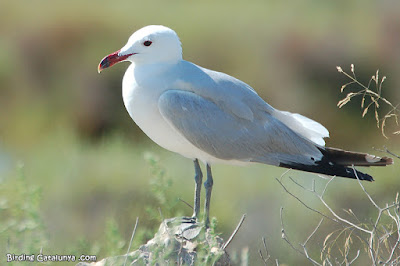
(111, 60)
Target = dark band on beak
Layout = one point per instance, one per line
(111, 60)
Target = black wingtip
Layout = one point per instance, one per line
(329, 168)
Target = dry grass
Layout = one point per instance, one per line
(371, 99)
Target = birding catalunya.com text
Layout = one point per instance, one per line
(48, 258)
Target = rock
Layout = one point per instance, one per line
(179, 241)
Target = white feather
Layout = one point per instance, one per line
(304, 126)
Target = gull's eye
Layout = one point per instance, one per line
(147, 43)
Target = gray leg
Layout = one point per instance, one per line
(198, 178)
(208, 186)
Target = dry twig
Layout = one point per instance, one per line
(234, 232)
(382, 239)
(267, 256)
(130, 243)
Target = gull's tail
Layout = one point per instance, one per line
(337, 162)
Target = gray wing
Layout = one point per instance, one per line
(226, 136)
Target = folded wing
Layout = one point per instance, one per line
(224, 135)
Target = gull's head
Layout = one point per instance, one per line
(149, 45)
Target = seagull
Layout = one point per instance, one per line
(215, 118)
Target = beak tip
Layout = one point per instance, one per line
(110, 60)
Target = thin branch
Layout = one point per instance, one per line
(355, 258)
(130, 243)
(304, 252)
(326, 186)
(312, 234)
(363, 188)
(387, 151)
(334, 214)
(265, 260)
(304, 204)
(185, 202)
(234, 232)
(338, 218)
(284, 236)
(396, 219)
(308, 238)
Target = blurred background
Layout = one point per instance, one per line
(73, 165)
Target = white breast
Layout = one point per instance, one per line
(141, 102)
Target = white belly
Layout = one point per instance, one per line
(142, 105)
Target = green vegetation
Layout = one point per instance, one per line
(22, 229)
